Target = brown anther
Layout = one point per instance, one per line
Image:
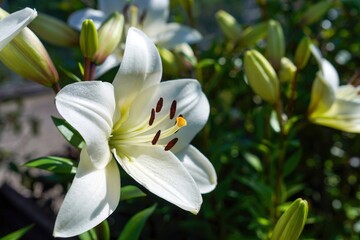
(171, 144)
(159, 104)
(173, 109)
(156, 137)
(152, 117)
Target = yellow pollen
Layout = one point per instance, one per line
(181, 122)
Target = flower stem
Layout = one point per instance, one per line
(56, 87)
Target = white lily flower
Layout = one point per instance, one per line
(144, 125)
(332, 105)
(11, 25)
(155, 14)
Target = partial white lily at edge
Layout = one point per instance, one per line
(153, 23)
(144, 125)
(11, 25)
(333, 105)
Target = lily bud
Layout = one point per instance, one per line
(316, 12)
(228, 25)
(275, 48)
(27, 56)
(261, 76)
(88, 38)
(291, 223)
(54, 31)
(110, 34)
(302, 53)
(287, 70)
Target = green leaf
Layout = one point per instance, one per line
(253, 161)
(17, 234)
(291, 163)
(100, 232)
(129, 192)
(70, 75)
(53, 164)
(70, 134)
(135, 225)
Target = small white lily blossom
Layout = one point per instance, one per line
(332, 105)
(143, 124)
(11, 25)
(151, 19)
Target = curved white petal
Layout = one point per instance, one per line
(89, 108)
(111, 61)
(330, 74)
(92, 197)
(157, 14)
(199, 167)
(191, 103)
(76, 19)
(162, 173)
(110, 6)
(173, 34)
(140, 68)
(11, 25)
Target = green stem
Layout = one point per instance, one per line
(292, 94)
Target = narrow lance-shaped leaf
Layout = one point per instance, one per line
(17, 234)
(70, 134)
(130, 192)
(53, 164)
(135, 225)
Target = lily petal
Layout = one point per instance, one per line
(92, 197)
(110, 6)
(76, 19)
(173, 34)
(157, 14)
(199, 167)
(111, 61)
(141, 68)
(11, 25)
(89, 108)
(162, 173)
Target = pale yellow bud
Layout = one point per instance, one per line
(261, 76)
(27, 56)
(109, 34)
(302, 53)
(169, 61)
(228, 25)
(54, 31)
(287, 70)
(275, 48)
(292, 222)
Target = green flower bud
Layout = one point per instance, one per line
(228, 25)
(54, 31)
(275, 48)
(287, 70)
(291, 223)
(27, 56)
(261, 76)
(253, 34)
(302, 53)
(88, 38)
(315, 12)
(110, 34)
